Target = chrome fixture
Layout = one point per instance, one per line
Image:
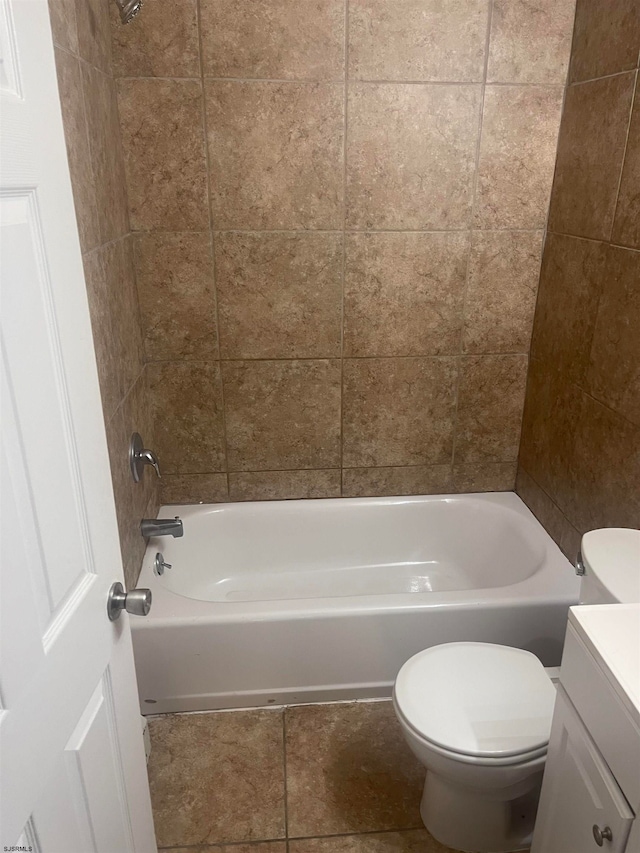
(128, 9)
(159, 564)
(136, 602)
(580, 569)
(139, 457)
(162, 527)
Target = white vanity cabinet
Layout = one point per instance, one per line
(591, 787)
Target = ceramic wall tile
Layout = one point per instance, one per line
(279, 295)
(106, 153)
(398, 411)
(550, 517)
(517, 156)
(114, 319)
(606, 38)
(590, 151)
(162, 42)
(78, 152)
(64, 25)
(282, 414)
(187, 402)
(404, 293)
(613, 374)
(411, 155)
(604, 469)
(280, 40)
(490, 402)
(504, 269)
(193, 488)
(626, 226)
(411, 480)
(163, 137)
(262, 139)
(174, 273)
(94, 33)
(284, 485)
(570, 285)
(530, 41)
(419, 40)
(484, 477)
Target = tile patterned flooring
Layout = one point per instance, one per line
(333, 778)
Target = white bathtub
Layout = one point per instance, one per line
(308, 601)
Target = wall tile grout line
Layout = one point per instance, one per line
(487, 48)
(355, 81)
(442, 355)
(624, 155)
(546, 228)
(345, 59)
(417, 465)
(550, 498)
(603, 241)
(212, 243)
(603, 77)
(312, 231)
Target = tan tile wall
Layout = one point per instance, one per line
(338, 209)
(580, 453)
(82, 40)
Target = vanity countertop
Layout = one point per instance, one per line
(611, 632)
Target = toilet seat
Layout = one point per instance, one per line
(477, 702)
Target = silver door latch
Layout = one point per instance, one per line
(137, 602)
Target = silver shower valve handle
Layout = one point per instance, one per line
(139, 456)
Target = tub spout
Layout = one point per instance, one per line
(162, 527)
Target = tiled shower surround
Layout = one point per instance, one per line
(82, 42)
(337, 213)
(580, 454)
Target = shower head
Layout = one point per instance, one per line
(128, 9)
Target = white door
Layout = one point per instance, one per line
(72, 770)
(579, 794)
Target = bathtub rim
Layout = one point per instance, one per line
(555, 581)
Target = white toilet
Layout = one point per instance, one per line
(478, 716)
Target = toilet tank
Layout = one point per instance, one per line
(611, 561)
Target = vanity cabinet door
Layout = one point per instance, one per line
(578, 792)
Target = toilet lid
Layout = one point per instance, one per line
(477, 699)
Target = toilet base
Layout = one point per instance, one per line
(479, 822)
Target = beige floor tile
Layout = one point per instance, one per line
(217, 777)
(411, 841)
(349, 770)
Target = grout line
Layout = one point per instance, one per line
(284, 766)
(603, 241)
(545, 232)
(356, 834)
(474, 194)
(345, 59)
(352, 468)
(624, 155)
(311, 231)
(604, 77)
(356, 81)
(253, 841)
(432, 356)
(212, 245)
(548, 496)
